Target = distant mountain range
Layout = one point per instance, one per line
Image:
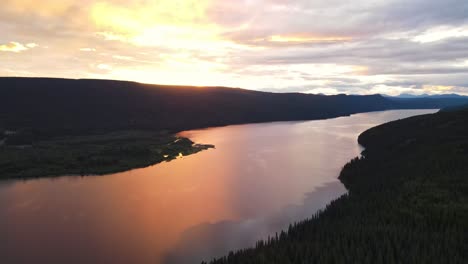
(405, 95)
(63, 106)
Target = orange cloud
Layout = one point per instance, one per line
(45, 8)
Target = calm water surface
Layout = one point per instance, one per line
(260, 178)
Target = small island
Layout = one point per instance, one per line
(21, 156)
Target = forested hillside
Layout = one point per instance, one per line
(407, 202)
(48, 107)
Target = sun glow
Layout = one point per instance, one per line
(147, 14)
(165, 23)
(179, 30)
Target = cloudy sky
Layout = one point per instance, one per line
(315, 46)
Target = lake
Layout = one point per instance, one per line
(260, 178)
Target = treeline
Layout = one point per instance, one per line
(407, 202)
(41, 107)
(91, 155)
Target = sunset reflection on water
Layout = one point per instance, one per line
(258, 179)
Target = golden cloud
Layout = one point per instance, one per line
(138, 16)
(16, 47)
(437, 88)
(307, 39)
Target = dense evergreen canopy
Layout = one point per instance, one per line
(407, 202)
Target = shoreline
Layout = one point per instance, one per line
(93, 155)
(64, 156)
(395, 211)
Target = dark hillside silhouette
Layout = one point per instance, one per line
(63, 106)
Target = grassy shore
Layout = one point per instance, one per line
(93, 154)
